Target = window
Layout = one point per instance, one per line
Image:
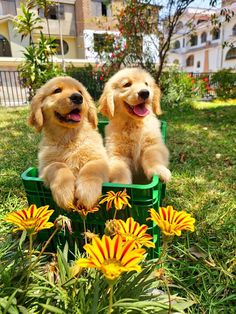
(215, 34)
(190, 61)
(65, 46)
(198, 64)
(100, 8)
(5, 49)
(234, 30)
(183, 42)
(231, 54)
(103, 42)
(193, 40)
(203, 37)
(54, 12)
(179, 26)
(201, 21)
(177, 44)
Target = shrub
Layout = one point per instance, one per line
(38, 68)
(225, 83)
(89, 77)
(179, 88)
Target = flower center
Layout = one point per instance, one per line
(112, 269)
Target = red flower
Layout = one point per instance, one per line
(101, 78)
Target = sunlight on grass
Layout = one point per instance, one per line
(214, 104)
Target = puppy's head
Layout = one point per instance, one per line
(132, 92)
(62, 101)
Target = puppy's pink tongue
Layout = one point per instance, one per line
(141, 110)
(74, 117)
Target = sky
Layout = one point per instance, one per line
(202, 3)
(196, 3)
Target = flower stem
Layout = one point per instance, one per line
(45, 246)
(115, 214)
(30, 258)
(85, 230)
(110, 299)
(163, 252)
(168, 293)
(30, 247)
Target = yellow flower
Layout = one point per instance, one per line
(83, 211)
(119, 199)
(131, 230)
(172, 222)
(32, 219)
(112, 256)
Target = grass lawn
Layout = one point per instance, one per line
(202, 141)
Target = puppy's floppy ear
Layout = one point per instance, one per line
(92, 116)
(36, 115)
(156, 100)
(106, 102)
(92, 111)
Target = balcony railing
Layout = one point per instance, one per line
(12, 93)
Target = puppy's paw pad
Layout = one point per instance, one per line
(88, 193)
(163, 173)
(64, 197)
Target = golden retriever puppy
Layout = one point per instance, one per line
(72, 159)
(134, 143)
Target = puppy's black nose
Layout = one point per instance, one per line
(76, 98)
(143, 93)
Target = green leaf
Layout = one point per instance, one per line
(52, 308)
(22, 238)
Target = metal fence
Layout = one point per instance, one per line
(12, 94)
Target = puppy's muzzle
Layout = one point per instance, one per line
(76, 98)
(143, 93)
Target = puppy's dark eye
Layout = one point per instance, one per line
(57, 91)
(146, 83)
(127, 84)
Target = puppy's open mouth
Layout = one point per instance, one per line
(72, 117)
(139, 110)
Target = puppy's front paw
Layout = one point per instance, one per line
(63, 195)
(88, 193)
(163, 173)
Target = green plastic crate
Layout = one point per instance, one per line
(143, 198)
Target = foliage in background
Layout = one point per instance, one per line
(134, 21)
(38, 66)
(27, 22)
(90, 77)
(180, 88)
(225, 83)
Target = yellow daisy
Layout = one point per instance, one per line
(131, 230)
(119, 199)
(112, 256)
(83, 211)
(32, 219)
(172, 222)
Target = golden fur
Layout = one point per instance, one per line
(133, 138)
(72, 158)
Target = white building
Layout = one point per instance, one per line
(199, 47)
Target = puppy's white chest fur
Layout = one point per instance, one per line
(129, 140)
